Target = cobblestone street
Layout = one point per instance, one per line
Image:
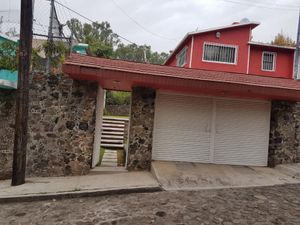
(265, 205)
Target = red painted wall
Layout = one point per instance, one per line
(237, 36)
(240, 37)
(172, 60)
(284, 62)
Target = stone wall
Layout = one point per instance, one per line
(141, 129)
(61, 126)
(7, 123)
(117, 110)
(284, 133)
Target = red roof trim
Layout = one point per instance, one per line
(271, 46)
(183, 73)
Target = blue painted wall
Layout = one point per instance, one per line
(8, 79)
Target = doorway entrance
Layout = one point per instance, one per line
(112, 130)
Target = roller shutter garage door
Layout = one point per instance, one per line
(211, 130)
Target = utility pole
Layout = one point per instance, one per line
(20, 142)
(145, 54)
(297, 54)
(50, 35)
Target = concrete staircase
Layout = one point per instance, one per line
(113, 130)
(110, 159)
(112, 139)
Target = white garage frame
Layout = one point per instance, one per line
(262, 145)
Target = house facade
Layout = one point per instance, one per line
(220, 114)
(203, 116)
(231, 48)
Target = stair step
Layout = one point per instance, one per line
(113, 149)
(112, 133)
(110, 158)
(107, 170)
(108, 164)
(115, 119)
(112, 141)
(113, 125)
(112, 129)
(112, 146)
(119, 137)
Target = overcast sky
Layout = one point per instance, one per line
(163, 23)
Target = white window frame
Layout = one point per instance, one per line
(179, 54)
(274, 61)
(236, 47)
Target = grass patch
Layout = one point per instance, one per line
(102, 151)
(121, 157)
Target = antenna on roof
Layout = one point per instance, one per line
(245, 20)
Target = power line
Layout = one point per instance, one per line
(41, 25)
(138, 24)
(267, 3)
(10, 10)
(90, 20)
(66, 3)
(60, 13)
(79, 14)
(263, 5)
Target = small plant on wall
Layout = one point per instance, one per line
(8, 56)
(56, 50)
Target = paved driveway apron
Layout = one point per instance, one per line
(258, 206)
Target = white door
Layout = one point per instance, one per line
(242, 132)
(211, 130)
(182, 128)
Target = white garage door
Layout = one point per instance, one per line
(211, 130)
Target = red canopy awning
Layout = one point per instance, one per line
(123, 75)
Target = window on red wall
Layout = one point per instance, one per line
(268, 61)
(219, 53)
(181, 57)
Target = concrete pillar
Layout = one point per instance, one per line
(99, 115)
(284, 133)
(141, 128)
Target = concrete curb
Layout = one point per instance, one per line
(225, 187)
(79, 194)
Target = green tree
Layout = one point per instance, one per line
(8, 56)
(99, 36)
(139, 53)
(117, 98)
(158, 58)
(283, 40)
(103, 42)
(56, 50)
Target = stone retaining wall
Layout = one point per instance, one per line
(117, 110)
(61, 127)
(284, 133)
(7, 123)
(141, 129)
(62, 124)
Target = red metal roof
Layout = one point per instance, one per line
(108, 71)
(271, 45)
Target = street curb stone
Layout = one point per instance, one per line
(79, 194)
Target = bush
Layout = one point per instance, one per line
(8, 56)
(117, 98)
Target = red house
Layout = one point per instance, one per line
(231, 49)
(220, 98)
